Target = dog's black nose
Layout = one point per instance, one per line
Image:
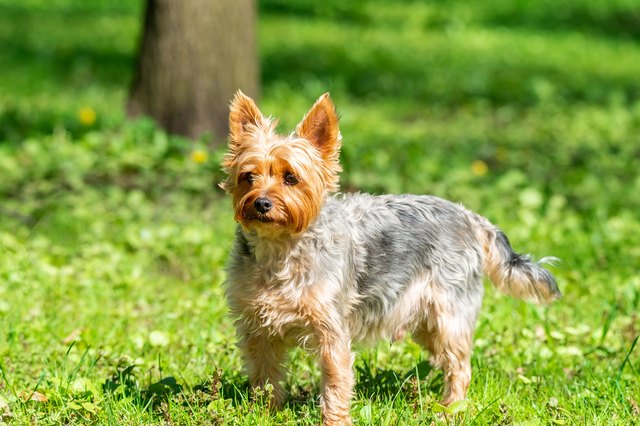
(262, 204)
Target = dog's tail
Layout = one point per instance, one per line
(512, 273)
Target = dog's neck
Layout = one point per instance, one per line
(282, 263)
(270, 249)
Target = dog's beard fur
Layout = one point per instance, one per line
(323, 271)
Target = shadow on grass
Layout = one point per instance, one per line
(158, 395)
(499, 77)
(615, 20)
(235, 388)
(376, 384)
(124, 383)
(57, 43)
(50, 54)
(371, 383)
(37, 43)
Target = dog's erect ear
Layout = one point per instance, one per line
(320, 127)
(244, 112)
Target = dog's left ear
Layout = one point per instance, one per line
(320, 127)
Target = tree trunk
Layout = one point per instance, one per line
(194, 55)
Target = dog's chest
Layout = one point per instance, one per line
(278, 311)
(276, 289)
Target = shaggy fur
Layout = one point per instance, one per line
(324, 272)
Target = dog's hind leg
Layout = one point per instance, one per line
(451, 352)
(447, 333)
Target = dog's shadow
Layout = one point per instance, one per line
(381, 383)
(125, 383)
(371, 383)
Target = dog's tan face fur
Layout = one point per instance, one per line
(293, 172)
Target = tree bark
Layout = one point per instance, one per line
(194, 55)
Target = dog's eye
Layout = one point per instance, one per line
(248, 177)
(290, 179)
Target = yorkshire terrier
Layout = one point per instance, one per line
(325, 272)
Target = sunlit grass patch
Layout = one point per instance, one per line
(114, 235)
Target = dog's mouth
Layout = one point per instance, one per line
(263, 218)
(253, 216)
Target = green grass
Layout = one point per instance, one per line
(113, 240)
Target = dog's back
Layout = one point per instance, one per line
(410, 257)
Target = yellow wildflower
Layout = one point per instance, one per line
(199, 156)
(479, 168)
(87, 116)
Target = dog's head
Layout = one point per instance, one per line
(279, 183)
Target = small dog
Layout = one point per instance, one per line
(325, 271)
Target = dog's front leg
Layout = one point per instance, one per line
(264, 358)
(337, 377)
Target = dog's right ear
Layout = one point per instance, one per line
(243, 116)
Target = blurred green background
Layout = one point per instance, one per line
(113, 235)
